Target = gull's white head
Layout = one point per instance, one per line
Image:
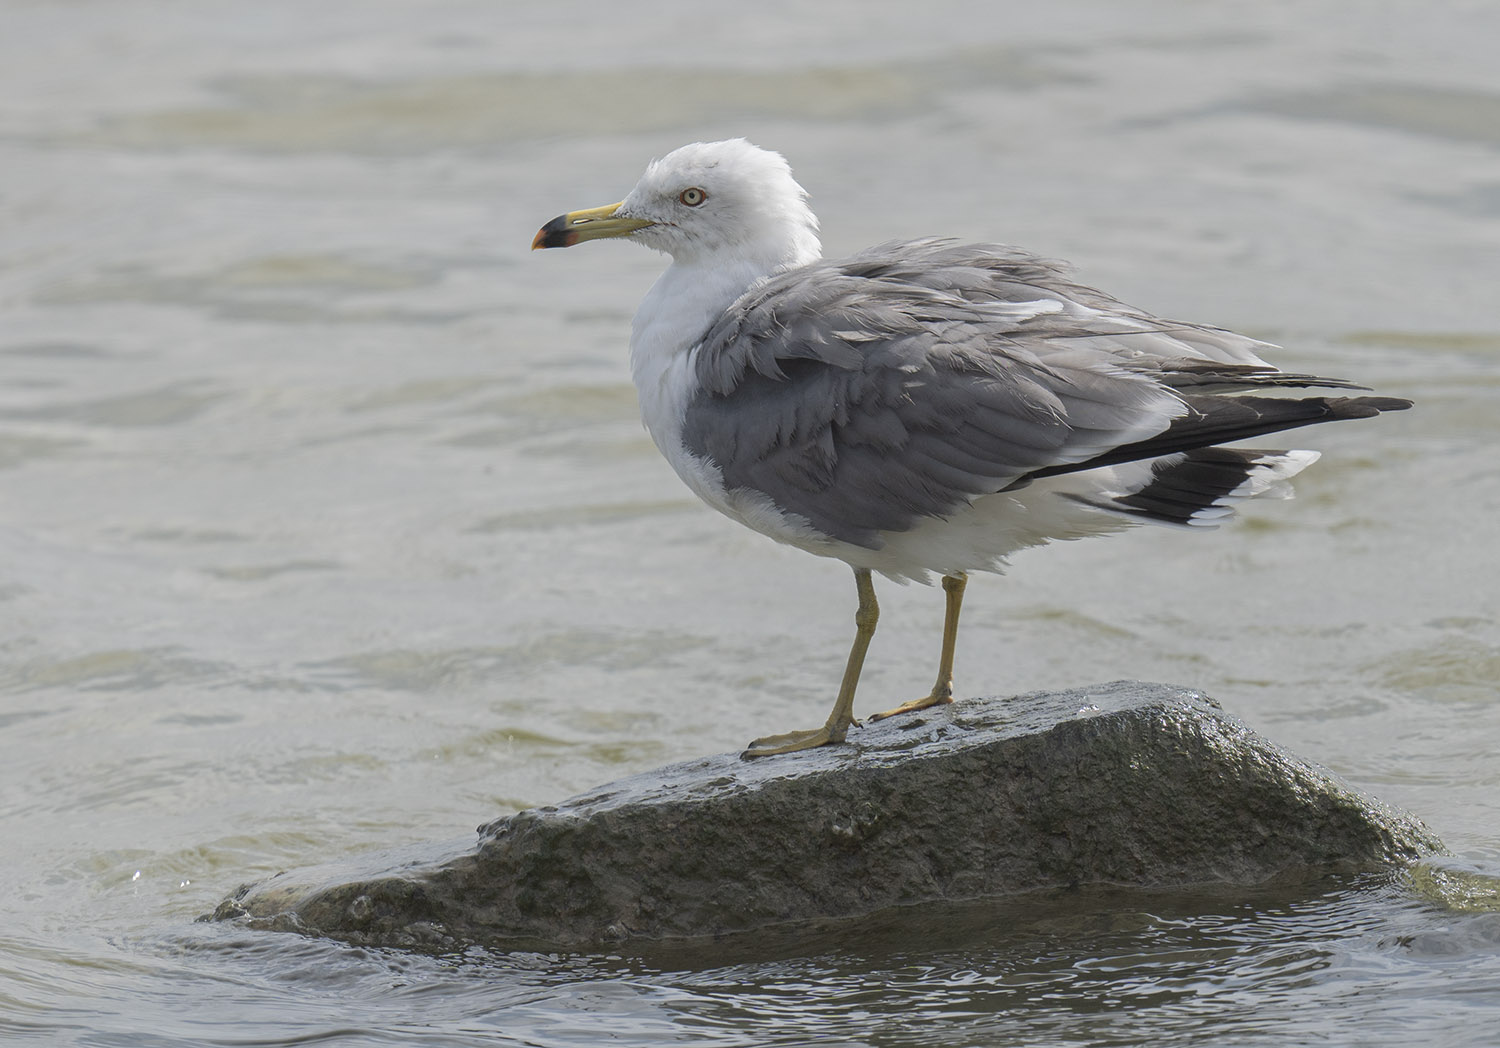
(706, 202)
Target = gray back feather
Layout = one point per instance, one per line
(905, 381)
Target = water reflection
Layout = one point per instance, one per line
(1084, 967)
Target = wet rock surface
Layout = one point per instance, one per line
(1127, 784)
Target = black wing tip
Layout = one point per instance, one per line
(1366, 407)
(1215, 420)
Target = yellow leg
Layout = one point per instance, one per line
(843, 708)
(942, 691)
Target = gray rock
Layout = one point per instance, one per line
(1121, 784)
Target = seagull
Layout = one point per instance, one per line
(925, 407)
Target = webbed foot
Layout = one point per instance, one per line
(793, 741)
(935, 699)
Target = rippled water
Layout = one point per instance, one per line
(327, 522)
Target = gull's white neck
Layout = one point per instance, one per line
(674, 316)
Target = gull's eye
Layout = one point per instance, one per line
(692, 197)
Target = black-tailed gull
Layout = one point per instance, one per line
(924, 407)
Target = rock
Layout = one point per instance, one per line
(1119, 784)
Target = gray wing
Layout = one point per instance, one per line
(904, 382)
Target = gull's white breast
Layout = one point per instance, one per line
(664, 341)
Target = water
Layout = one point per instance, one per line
(327, 523)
